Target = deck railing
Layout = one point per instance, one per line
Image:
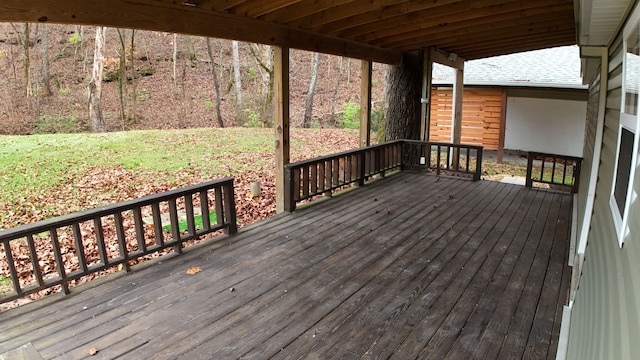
(444, 158)
(556, 170)
(87, 242)
(323, 175)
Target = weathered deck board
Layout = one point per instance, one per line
(412, 266)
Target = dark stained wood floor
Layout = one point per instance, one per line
(409, 267)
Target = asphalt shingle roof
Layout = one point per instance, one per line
(555, 67)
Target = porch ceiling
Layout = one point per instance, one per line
(377, 30)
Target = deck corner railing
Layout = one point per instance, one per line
(555, 170)
(83, 243)
(323, 175)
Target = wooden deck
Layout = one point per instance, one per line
(408, 267)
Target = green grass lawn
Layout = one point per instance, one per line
(54, 174)
(183, 226)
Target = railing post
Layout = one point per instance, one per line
(576, 176)
(362, 166)
(478, 174)
(529, 180)
(230, 208)
(289, 201)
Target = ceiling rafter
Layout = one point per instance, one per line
(435, 19)
(466, 28)
(375, 30)
(400, 14)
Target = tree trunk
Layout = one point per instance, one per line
(175, 61)
(216, 84)
(237, 78)
(95, 85)
(46, 78)
(264, 58)
(402, 117)
(334, 99)
(308, 109)
(27, 61)
(134, 92)
(122, 90)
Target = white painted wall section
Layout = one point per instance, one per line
(545, 125)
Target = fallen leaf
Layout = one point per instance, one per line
(93, 351)
(193, 270)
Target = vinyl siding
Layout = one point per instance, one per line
(589, 145)
(605, 322)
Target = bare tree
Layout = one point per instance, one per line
(46, 78)
(27, 61)
(264, 58)
(308, 109)
(132, 63)
(95, 85)
(175, 61)
(216, 84)
(122, 86)
(237, 77)
(334, 99)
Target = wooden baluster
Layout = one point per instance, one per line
(62, 273)
(122, 241)
(33, 254)
(139, 227)
(220, 215)
(77, 239)
(204, 210)
(12, 268)
(102, 248)
(188, 209)
(157, 224)
(313, 178)
(175, 227)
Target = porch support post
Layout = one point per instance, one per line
(425, 101)
(365, 103)
(281, 120)
(503, 126)
(457, 106)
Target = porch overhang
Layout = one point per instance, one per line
(378, 31)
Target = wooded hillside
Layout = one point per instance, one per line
(165, 81)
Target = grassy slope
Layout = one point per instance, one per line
(49, 175)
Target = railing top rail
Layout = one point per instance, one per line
(566, 157)
(477, 147)
(87, 215)
(343, 153)
(354, 151)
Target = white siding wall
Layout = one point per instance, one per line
(605, 319)
(545, 125)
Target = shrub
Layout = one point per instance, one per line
(351, 115)
(52, 124)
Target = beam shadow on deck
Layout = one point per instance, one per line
(411, 266)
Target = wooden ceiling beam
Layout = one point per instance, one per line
(475, 50)
(510, 48)
(439, 16)
(188, 19)
(436, 34)
(299, 10)
(513, 34)
(345, 13)
(260, 8)
(542, 13)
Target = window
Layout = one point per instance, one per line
(622, 190)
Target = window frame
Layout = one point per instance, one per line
(629, 122)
